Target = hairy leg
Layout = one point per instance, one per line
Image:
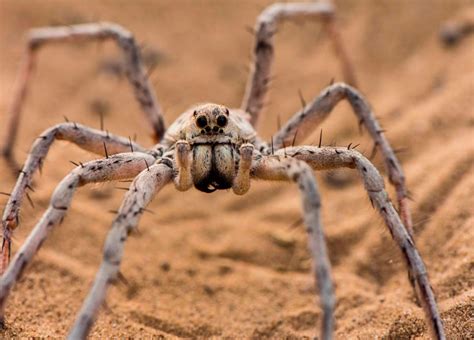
(92, 140)
(120, 166)
(330, 158)
(304, 122)
(99, 31)
(141, 192)
(289, 169)
(265, 29)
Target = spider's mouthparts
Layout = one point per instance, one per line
(211, 188)
(206, 187)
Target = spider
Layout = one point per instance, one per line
(210, 147)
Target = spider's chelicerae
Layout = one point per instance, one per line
(210, 147)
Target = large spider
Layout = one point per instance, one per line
(213, 148)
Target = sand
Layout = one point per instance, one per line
(217, 265)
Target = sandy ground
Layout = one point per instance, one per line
(232, 267)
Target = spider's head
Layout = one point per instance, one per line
(210, 119)
(211, 124)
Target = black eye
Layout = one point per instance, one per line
(201, 121)
(222, 121)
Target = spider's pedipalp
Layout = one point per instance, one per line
(306, 121)
(116, 167)
(183, 180)
(266, 27)
(98, 31)
(86, 138)
(327, 158)
(289, 169)
(143, 189)
(241, 183)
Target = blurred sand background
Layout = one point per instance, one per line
(226, 266)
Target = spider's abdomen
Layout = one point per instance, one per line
(213, 167)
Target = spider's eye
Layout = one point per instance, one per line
(201, 121)
(222, 121)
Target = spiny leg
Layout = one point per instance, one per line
(284, 169)
(266, 27)
(99, 142)
(141, 192)
(100, 31)
(304, 122)
(116, 167)
(330, 158)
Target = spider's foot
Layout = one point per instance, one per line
(3, 324)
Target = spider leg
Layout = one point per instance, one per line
(100, 31)
(304, 122)
(290, 169)
(120, 166)
(141, 192)
(330, 158)
(265, 29)
(92, 140)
